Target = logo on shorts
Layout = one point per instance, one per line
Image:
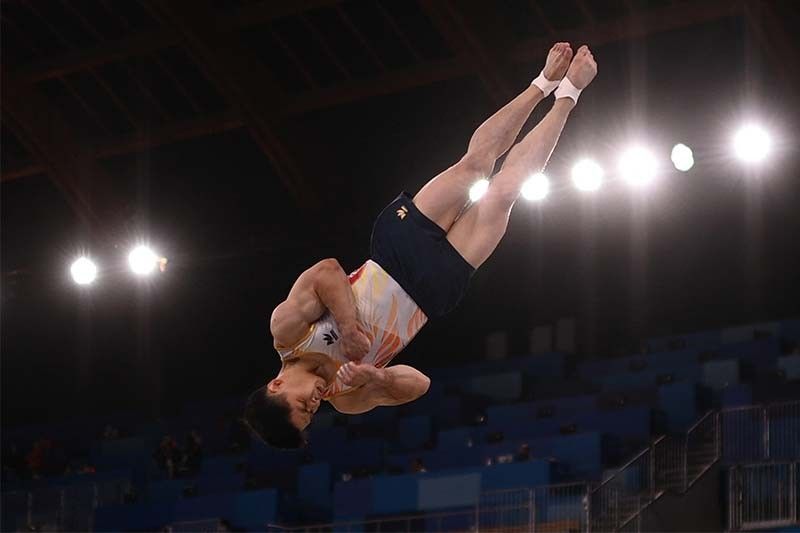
(402, 212)
(330, 337)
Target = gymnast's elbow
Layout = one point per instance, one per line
(421, 385)
(425, 384)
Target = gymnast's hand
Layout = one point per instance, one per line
(557, 61)
(355, 343)
(356, 374)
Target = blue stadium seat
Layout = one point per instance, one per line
(250, 510)
(628, 422)
(721, 374)
(219, 482)
(455, 438)
(350, 497)
(700, 340)
(314, 484)
(736, 396)
(224, 465)
(133, 517)
(790, 364)
(455, 521)
(500, 387)
(264, 458)
(366, 453)
(514, 475)
(413, 432)
(447, 411)
(790, 329)
(394, 494)
(437, 492)
(758, 352)
(748, 332)
(107, 454)
(679, 402)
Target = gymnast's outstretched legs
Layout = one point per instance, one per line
(443, 198)
(478, 231)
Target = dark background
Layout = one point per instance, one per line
(96, 157)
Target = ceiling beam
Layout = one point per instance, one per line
(452, 25)
(244, 82)
(175, 132)
(65, 156)
(391, 82)
(154, 40)
(22, 171)
(770, 34)
(634, 25)
(95, 56)
(170, 133)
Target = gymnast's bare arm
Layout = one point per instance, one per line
(393, 385)
(323, 286)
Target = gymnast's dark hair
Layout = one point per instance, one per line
(267, 417)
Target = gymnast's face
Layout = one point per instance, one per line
(303, 393)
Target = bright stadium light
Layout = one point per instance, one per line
(537, 187)
(83, 271)
(682, 157)
(638, 165)
(142, 260)
(478, 190)
(587, 175)
(751, 143)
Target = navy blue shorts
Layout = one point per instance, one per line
(414, 250)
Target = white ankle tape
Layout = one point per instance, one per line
(566, 89)
(544, 85)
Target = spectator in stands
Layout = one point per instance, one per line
(193, 454)
(110, 432)
(82, 466)
(37, 456)
(167, 455)
(55, 460)
(523, 453)
(14, 465)
(417, 467)
(130, 495)
(239, 436)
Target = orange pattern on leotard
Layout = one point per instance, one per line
(387, 315)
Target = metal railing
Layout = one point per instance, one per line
(701, 448)
(211, 525)
(619, 498)
(545, 509)
(753, 433)
(559, 507)
(465, 520)
(65, 508)
(763, 495)
(761, 432)
(669, 463)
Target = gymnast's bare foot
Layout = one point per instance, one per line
(583, 68)
(558, 60)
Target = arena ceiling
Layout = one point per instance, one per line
(85, 81)
(249, 139)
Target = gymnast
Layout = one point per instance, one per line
(336, 333)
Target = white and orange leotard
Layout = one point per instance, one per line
(387, 314)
